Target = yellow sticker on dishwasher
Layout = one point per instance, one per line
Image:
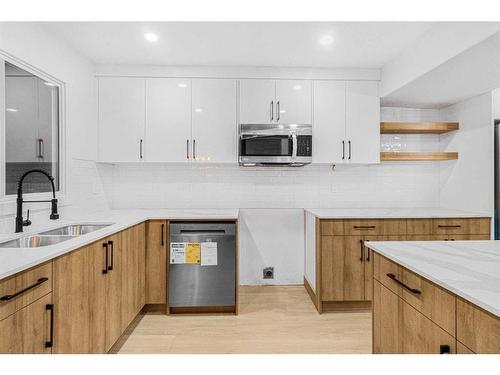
(193, 250)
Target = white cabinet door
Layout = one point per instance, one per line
(293, 102)
(329, 131)
(21, 119)
(48, 121)
(363, 121)
(168, 120)
(121, 119)
(214, 120)
(257, 101)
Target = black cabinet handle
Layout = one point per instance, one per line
(39, 282)
(368, 251)
(105, 246)
(343, 150)
(349, 143)
(361, 250)
(364, 227)
(140, 148)
(112, 247)
(194, 149)
(162, 229)
(413, 290)
(444, 349)
(187, 149)
(449, 226)
(50, 343)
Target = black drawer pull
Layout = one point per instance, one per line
(106, 266)
(413, 290)
(361, 250)
(8, 297)
(364, 227)
(50, 343)
(444, 349)
(112, 247)
(449, 226)
(162, 230)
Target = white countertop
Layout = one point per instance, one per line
(469, 269)
(391, 213)
(14, 260)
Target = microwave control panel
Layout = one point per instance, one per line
(304, 145)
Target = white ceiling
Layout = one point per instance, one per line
(473, 72)
(284, 44)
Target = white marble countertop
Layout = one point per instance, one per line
(391, 213)
(469, 269)
(14, 260)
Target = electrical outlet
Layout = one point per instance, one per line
(268, 273)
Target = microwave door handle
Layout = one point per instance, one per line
(294, 145)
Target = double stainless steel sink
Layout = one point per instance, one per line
(53, 236)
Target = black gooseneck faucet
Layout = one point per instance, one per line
(20, 223)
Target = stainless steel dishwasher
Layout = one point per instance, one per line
(198, 285)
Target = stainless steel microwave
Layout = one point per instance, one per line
(275, 144)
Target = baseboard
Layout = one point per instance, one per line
(355, 306)
(311, 293)
(203, 310)
(160, 308)
(126, 334)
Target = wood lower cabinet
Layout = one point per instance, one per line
(413, 315)
(133, 286)
(156, 261)
(345, 265)
(98, 291)
(29, 329)
(398, 328)
(477, 329)
(72, 308)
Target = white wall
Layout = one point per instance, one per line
(34, 45)
(271, 238)
(467, 184)
(495, 94)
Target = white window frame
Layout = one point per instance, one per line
(8, 200)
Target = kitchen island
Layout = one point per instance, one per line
(436, 297)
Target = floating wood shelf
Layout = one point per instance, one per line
(417, 127)
(417, 156)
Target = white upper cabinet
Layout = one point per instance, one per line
(346, 124)
(121, 119)
(21, 119)
(363, 121)
(257, 101)
(293, 102)
(329, 127)
(168, 120)
(214, 120)
(270, 101)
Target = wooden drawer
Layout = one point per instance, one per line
(332, 227)
(461, 226)
(477, 329)
(432, 301)
(420, 335)
(28, 330)
(22, 289)
(419, 226)
(370, 227)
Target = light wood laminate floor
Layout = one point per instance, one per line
(272, 319)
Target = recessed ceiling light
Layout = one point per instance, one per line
(151, 37)
(198, 110)
(326, 40)
(182, 85)
(297, 87)
(11, 109)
